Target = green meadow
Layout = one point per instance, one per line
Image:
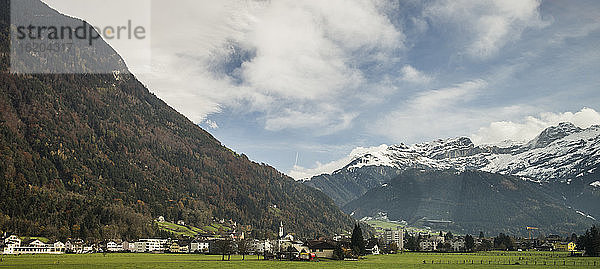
(411, 260)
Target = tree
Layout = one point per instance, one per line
(443, 247)
(590, 242)
(448, 236)
(469, 242)
(224, 247)
(338, 253)
(503, 242)
(243, 245)
(573, 238)
(486, 245)
(412, 243)
(481, 236)
(357, 240)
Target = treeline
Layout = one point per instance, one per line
(590, 242)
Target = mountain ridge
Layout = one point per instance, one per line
(462, 154)
(561, 160)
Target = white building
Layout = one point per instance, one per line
(13, 246)
(431, 243)
(428, 245)
(88, 249)
(128, 246)
(112, 246)
(458, 245)
(373, 249)
(59, 245)
(74, 246)
(150, 245)
(394, 236)
(12, 240)
(199, 246)
(261, 246)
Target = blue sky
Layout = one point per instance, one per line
(317, 79)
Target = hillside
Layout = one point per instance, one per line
(469, 202)
(98, 156)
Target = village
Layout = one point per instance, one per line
(288, 247)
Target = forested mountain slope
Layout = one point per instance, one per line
(99, 156)
(469, 202)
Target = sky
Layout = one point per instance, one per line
(302, 85)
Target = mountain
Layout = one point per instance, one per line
(98, 156)
(469, 202)
(559, 154)
(563, 158)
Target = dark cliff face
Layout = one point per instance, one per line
(99, 156)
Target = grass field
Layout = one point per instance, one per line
(411, 260)
(381, 225)
(190, 231)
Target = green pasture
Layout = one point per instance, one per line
(410, 260)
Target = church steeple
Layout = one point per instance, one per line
(281, 229)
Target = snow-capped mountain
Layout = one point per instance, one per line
(558, 153)
(550, 177)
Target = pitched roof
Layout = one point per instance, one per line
(371, 245)
(320, 245)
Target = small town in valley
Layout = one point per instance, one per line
(231, 238)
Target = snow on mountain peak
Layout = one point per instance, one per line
(554, 133)
(559, 152)
(575, 152)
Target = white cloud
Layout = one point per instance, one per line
(529, 127)
(300, 173)
(291, 119)
(211, 124)
(488, 24)
(412, 75)
(447, 97)
(430, 113)
(576, 32)
(294, 62)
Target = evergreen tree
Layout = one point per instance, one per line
(469, 242)
(573, 238)
(357, 240)
(412, 243)
(481, 236)
(448, 236)
(590, 242)
(503, 242)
